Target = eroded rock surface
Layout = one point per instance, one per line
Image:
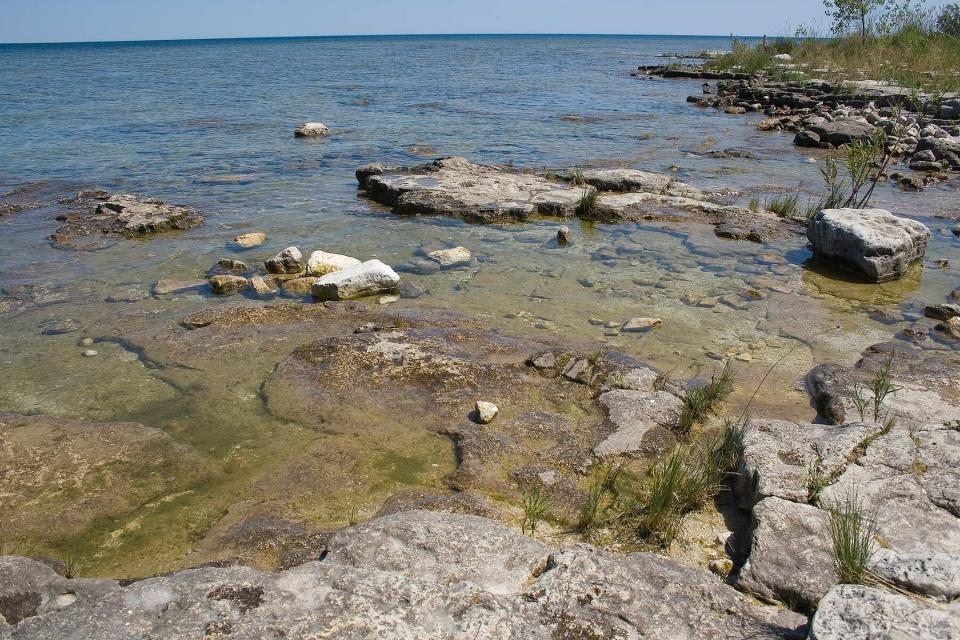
(126, 215)
(411, 575)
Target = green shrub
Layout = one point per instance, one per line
(535, 507)
(853, 533)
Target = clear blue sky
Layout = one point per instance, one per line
(78, 20)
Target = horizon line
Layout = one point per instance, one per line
(377, 35)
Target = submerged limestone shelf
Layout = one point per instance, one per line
(458, 188)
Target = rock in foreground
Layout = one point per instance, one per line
(875, 242)
(414, 574)
(365, 279)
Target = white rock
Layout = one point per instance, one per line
(290, 260)
(321, 263)
(89, 353)
(449, 258)
(250, 240)
(365, 279)
(312, 130)
(486, 411)
(783, 57)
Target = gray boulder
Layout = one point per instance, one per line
(290, 260)
(366, 279)
(874, 242)
(842, 130)
(638, 421)
(854, 612)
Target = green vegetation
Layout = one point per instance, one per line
(754, 205)
(883, 386)
(588, 203)
(817, 481)
(784, 206)
(661, 381)
(853, 532)
(860, 401)
(897, 41)
(601, 498)
(535, 507)
(702, 400)
(576, 178)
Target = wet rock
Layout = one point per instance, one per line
(563, 236)
(735, 232)
(638, 421)
(942, 311)
(227, 265)
(129, 295)
(321, 263)
(261, 288)
(90, 353)
(876, 243)
(290, 260)
(451, 258)
(632, 180)
(950, 327)
(419, 266)
(127, 215)
(486, 411)
(791, 554)
(410, 291)
(227, 285)
(854, 612)
(167, 286)
(250, 240)
(60, 326)
(368, 278)
(640, 325)
(299, 286)
(807, 139)
(311, 130)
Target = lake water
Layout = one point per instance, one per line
(210, 124)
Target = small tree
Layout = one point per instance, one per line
(858, 12)
(949, 20)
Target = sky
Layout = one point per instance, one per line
(101, 20)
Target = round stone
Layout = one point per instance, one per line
(89, 353)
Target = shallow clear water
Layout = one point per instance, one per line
(210, 124)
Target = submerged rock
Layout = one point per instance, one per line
(365, 279)
(451, 258)
(227, 285)
(128, 215)
(875, 242)
(640, 325)
(166, 286)
(250, 240)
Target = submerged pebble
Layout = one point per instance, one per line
(89, 353)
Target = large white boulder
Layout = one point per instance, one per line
(321, 263)
(874, 242)
(365, 279)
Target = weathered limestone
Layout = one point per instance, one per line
(227, 285)
(875, 242)
(486, 411)
(250, 240)
(639, 421)
(633, 180)
(124, 214)
(321, 263)
(451, 258)
(414, 574)
(365, 279)
(842, 130)
(311, 130)
(854, 612)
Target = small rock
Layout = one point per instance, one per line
(384, 300)
(321, 263)
(640, 325)
(290, 260)
(368, 278)
(745, 357)
(311, 130)
(486, 412)
(89, 353)
(563, 236)
(229, 264)
(450, 258)
(59, 327)
(951, 326)
(941, 264)
(597, 322)
(260, 287)
(410, 291)
(721, 566)
(85, 342)
(250, 240)
(224, 285)
(545, 360)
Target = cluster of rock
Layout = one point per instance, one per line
(903, 466)
(325, 276)
(126, 215)
(479, 193)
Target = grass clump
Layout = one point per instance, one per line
(883, 386)
(536, 505)
(754, 205)
(700, 401)
(577, 179)
(601, 496)
(817, 480)
(662, 381)
(589, 203)
(785, 206)
(853, 533)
